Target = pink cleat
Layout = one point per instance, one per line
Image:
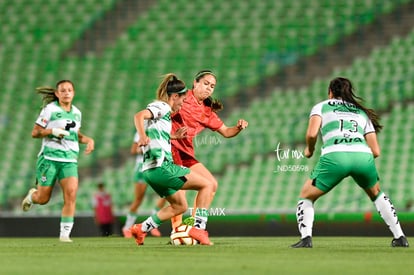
(138, 234)
(200, 235)
(126, 232)
(155, 232)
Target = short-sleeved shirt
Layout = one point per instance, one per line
(196, 117)
(344, 126)
(64, 149)
(158, 129)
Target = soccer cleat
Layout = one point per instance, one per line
(27, 203)
(400, 242)
(155, 232)
(303, 243)
(200, 235)
(65, 240)
(126, 232)
(138, 234)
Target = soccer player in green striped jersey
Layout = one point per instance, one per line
(154, 125)
(348, 131)
(59, 126)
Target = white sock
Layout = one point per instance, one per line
(305, 216)
(65, 229)
(200, 222)
(130, 220)
(149, 224)
(387, 212)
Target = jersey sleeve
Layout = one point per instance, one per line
(316, 110)
(158, 109)
(214, 122)
(78, 117)
(44, 117)
(369, 127)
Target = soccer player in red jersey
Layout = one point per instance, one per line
(198, 112)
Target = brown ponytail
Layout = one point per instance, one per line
(342, 88)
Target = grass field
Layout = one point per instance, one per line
(229, 255)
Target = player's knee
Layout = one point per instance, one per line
(210, 187)
(180, 208)
(214, 185)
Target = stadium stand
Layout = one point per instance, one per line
(243, 41)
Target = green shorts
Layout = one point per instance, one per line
(48, 171)
(138, 174)
(332, 168)
(166, 179)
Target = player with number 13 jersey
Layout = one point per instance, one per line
(344, 126)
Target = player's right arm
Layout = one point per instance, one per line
(139, 125)
(40, 132)
(40, 129)
(314, 125)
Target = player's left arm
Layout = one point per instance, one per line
(90, 143)
(371, 139)
(229, 132)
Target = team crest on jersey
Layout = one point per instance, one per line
(43, 178)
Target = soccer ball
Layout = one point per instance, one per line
(179, 236)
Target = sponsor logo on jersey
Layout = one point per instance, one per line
(347, 140)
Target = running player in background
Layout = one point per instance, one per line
(58, 125)
(198, 112)
(349, 147)
(139, 192)
(154, 127)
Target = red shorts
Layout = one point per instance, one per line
(181, 158)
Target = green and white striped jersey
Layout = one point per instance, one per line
(343, 126)
(65, 149)
(158, 129)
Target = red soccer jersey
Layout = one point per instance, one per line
(196, 116)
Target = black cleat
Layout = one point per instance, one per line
(400, 242)
(303, 243)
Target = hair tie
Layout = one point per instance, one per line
(179, 92)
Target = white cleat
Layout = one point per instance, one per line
(65, 240)
(27, 203)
